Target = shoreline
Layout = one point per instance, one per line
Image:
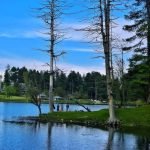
(137, 129)
(72, 103)
(46, 102)
(128, 117)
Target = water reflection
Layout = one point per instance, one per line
(50, 136)
(110, 138)
(35, 127)
(9, 110)
(53, 136)
(49, 132)
(121, 141)
(143, 143)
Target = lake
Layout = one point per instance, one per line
(37, 136)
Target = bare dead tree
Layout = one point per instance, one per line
(50, 13)
(119, 64)
(100, 30)
(86, 108)
(103, 26)
(104, 7)
(119, 73)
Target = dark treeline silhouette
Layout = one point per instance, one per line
(74, 85)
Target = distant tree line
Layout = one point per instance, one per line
(74, 85)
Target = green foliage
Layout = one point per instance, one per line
(60, 91)
(137, 80)
(139, 103)
(7, 76)
(10, 90)
(33, 92)
(134, 116)
(76, 117)
(138, 77)
(90, 86)
(139, 27)
(18, 99)
(95, 85)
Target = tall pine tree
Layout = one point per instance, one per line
(140, 39)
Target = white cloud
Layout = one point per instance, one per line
(83, 36)
(81, 49)
(24, 34)
(82, 69)
(73, 33)
(70, 31)
(39, 65)
(20, 62)
(7, 35)
(118, 28)
(34, 34)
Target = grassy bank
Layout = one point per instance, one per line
(18, 99)
(129, 117)
(23, 99)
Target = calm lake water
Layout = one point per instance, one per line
(35, 136)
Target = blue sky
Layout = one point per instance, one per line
(20, 36)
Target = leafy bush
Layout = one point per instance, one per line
(139, 103)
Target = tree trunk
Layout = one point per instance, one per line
(112, 117)
(106, 43)
(52, 43)
(148, 100)
(51, 86)
(50, 14)
(110, 139)
(122, 78)
(49, 132)
(86, 108)
(148, 46)
(39, 108)
(95, 90)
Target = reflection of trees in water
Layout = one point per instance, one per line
(110, 139)
(143, 143)
(35, 126)
(70, 127)
(119, 143)
(121, 140)
(115, 141)
(74, 128)
(49, 133)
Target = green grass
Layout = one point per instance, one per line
(4, 98)
(75, 116)
(129, 117)
(139, 116)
